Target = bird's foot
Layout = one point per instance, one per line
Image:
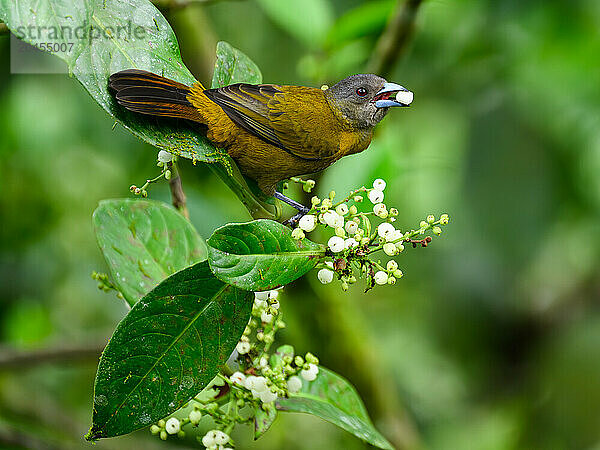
(293, 221)
(302, 210)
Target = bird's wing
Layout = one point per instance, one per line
(283, 116)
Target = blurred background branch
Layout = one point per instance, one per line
(395, 38)
(11, 359)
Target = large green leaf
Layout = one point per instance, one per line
(335, 400)
(143, 242)
(166, 350)
(232, 66)
(131, 34)
(260, 255)
(263, 420)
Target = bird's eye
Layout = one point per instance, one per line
(361, 92)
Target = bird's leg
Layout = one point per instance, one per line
(300, 207)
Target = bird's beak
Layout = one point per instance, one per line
(393, 94)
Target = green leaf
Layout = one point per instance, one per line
(166, 350)
(263, 420)
(144, 242)
(232, 66)
(132, 34)
(260, 255)
(335, 400)
(308, 20)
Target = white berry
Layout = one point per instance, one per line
(311, 373)
(268, 396)
(172, 426)
(342, 209)
(294, 384)
(221, 438)
(165, 157)
(325, 276)
(381, 277)
(238, 378)
(335, 244)
(379, 184)
(209, 439)
(385, 229)
(308, 222)
(390, 249)
(243, 347)
(376, 196)
(351, 227)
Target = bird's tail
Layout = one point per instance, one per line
(147, 93)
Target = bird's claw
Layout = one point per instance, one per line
(293, 221)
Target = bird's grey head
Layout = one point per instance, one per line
(364, 99)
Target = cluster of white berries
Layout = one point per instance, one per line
(265, 311)
(169, 427)
(216, 440)
(282, 378)
(260, 379)
(354, 238)
(258, 386)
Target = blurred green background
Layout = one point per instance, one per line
(492, 338)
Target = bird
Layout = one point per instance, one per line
(273, 132)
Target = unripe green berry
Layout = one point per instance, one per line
(311, 359)
(167, 174)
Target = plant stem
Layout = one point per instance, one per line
(394, 40)
(177, 195)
